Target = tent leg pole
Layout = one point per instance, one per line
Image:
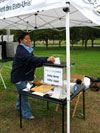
(68, 116)
(62, 118)
(67, 10)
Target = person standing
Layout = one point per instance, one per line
(23, 70)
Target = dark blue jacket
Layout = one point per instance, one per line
(24, 65)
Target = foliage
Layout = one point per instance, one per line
(76, 34)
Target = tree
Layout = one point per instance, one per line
(34, 37)
(93, 34)
(84, 35)
(61, 36)
(74, 35)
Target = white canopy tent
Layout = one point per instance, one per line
(40, 14)
(28, 14)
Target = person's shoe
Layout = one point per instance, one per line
(31, 117)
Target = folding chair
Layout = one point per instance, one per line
(74, 77)
(2, 77)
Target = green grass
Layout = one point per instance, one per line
(87, 62)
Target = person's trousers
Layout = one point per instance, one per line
(25, 106)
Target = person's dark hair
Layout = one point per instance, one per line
(22, 36)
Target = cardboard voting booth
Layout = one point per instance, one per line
(54, 76)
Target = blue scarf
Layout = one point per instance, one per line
(29, 49)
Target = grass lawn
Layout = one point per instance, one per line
(87, 62)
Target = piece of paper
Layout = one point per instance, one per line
(38, 93)
(26, 89)
(29, 85)
(57, 60)
(57, 92)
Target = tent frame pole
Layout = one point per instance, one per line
(66, 9)
(8, 34)
(68, 70)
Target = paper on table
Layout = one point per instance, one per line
(38, 93)
(29, 85)
(26, 89)
(57, 60)
(57, 92)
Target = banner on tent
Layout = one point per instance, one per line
(95, 4)
(10, 8)
(13, 5)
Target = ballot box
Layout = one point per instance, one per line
(53, 79)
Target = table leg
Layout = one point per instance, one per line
(62, 118)
(84, 104)
(47, 105)
(20, 112)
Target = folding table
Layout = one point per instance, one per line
(63, 102)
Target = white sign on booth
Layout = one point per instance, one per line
(53, 76)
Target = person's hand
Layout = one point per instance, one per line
(51, 58)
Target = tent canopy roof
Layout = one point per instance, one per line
(46, 14)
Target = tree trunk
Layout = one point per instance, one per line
(53, 41)
(86, 43)
(72, 45)
(92, 42)
(59, 43)
(82, 42)
(46, 44)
